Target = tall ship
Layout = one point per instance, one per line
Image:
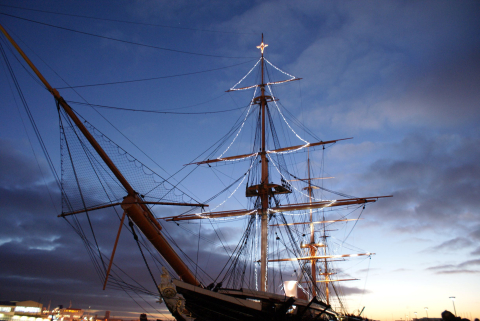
(282, 267)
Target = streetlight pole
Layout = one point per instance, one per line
(426, 310)
(415, 315)
(453, 301)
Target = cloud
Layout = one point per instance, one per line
(460, 268)
(42, 256)
(361, 71)
(368, 270)
(453, 244)
(443, 97)
(441, 267)
(469, 263)
(433, 188)
(18, 168)
(476, 252)
(459, 272)
(346, 290)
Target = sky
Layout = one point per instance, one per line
(400, 77)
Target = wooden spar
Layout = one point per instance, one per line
(285, 149)
(114, 250)
(306, 179)
(319, 257)
(334, 203)
(269, 152)
(319, 222)
(116, 204)
(223, 159)
(337, 280)
(267, 84)
(138, 212)
(278, 209)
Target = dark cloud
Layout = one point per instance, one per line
(18, 168)
(432, 187)
(42, 256)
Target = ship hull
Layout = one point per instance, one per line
(229, 304)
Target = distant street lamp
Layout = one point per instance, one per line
(453, 301)
(426, 310)
(415, 315)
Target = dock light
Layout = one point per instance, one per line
(453, 301)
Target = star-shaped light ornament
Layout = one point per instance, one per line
(262, 47)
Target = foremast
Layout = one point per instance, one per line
(133, 205)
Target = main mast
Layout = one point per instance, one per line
(263, 191)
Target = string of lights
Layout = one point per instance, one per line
(234, 191)
(286, 122)
(233, 88)
(243, 123)
(292, 77)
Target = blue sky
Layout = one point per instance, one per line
(401, 77)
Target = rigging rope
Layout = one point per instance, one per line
(155, 111)
(154, 78)
(123, 41)
(129, 22)
(135, 237)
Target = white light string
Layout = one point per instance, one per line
(286, 122)
(243, 123)
(278, 68)
(241, 182)
(233, 88)
(238, 159)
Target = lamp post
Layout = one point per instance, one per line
(426, 310)
(453, 301)
(415, 315)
